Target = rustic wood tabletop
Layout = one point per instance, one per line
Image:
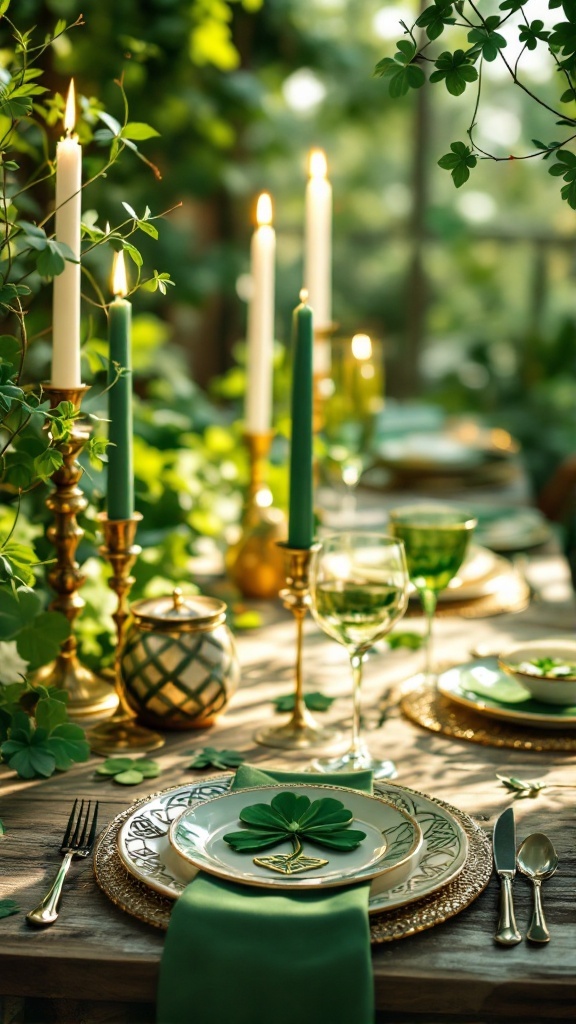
(99, 964)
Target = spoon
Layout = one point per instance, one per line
(538, 860)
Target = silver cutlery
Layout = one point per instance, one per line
(537, 860)
(504, 843)
(77, 842)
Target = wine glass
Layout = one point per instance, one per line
(436, 538)
(358, 590)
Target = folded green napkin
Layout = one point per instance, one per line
(240, 955)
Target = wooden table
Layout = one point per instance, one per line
(98, 964)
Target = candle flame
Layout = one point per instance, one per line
(303, 295)
(119, 282)
(317, 165)
(264, 210)
(361, 346)
(70, 112)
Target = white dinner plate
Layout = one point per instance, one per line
(146, 852)
(482, 686)
(389, 851)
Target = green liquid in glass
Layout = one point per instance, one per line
(434, 552)
(356, 614)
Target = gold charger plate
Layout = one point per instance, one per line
(142, 902)
(424, 706)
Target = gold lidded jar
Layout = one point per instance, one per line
(179, 661)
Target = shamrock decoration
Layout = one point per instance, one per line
(128, 771)
(209, 757)
(324, 822)
(8, 907)
(315, 701)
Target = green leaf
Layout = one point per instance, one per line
(458, 162)
(486, 40)
(129, 778)
(52, 260)
(401, 638)
(314, 701)
(21, 558)
(290, 815)
(16, 611)
(148, 229)
(128, 771)
(46, 464)
(49, 713)
(138, 131)
(4, 5)
(68, 745)
(8, 907)
(435, 18)
(456, 70)
(210, 757)
(40, 640)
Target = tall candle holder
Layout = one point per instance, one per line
(302, 731)
(121, 733)
(255, 563)
(88, 694)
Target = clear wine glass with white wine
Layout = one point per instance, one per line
(436, 539)
(358, 590)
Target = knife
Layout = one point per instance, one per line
(504, 842)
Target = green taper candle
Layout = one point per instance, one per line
(300, 515)
(120, 497)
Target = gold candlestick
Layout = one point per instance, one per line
(121, 733)
(302, 731)
(88, 694)
(255, 562)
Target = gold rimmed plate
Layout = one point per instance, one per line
(145, 852)
(388, 853)
(482, 686)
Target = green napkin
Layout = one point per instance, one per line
(240, 955)
(507, 691)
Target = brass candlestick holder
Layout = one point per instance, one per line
(88, 694)
(302, 731)
(121, 733)
(255, 563)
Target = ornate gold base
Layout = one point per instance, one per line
(301, 732)
(88, 694)
(300, 736)
(121, 733)
(123, 737)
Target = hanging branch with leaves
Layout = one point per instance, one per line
(460, 70)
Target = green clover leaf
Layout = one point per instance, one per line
(435, 18)
(325, 822)
(401, 72)
(458, 162)
(486, 40)
(209, 757)
(456, 70)
(8, 907)
(129, 771)
(314, 701)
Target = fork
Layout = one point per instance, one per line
(75, 843)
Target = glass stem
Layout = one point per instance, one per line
(429, 600)
(356, 663)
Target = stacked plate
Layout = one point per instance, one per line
(414, 846)
(482, 686)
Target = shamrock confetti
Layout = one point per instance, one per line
(315, 701)
(8, 907)
(403, 638)
(209, 757)
(128, 771)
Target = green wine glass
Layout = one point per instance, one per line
(358, 590)
(436, 539)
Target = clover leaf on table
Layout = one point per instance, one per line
(8, 907)
(210, 757)
(325, 822)
(314, 701)
(129, 771)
